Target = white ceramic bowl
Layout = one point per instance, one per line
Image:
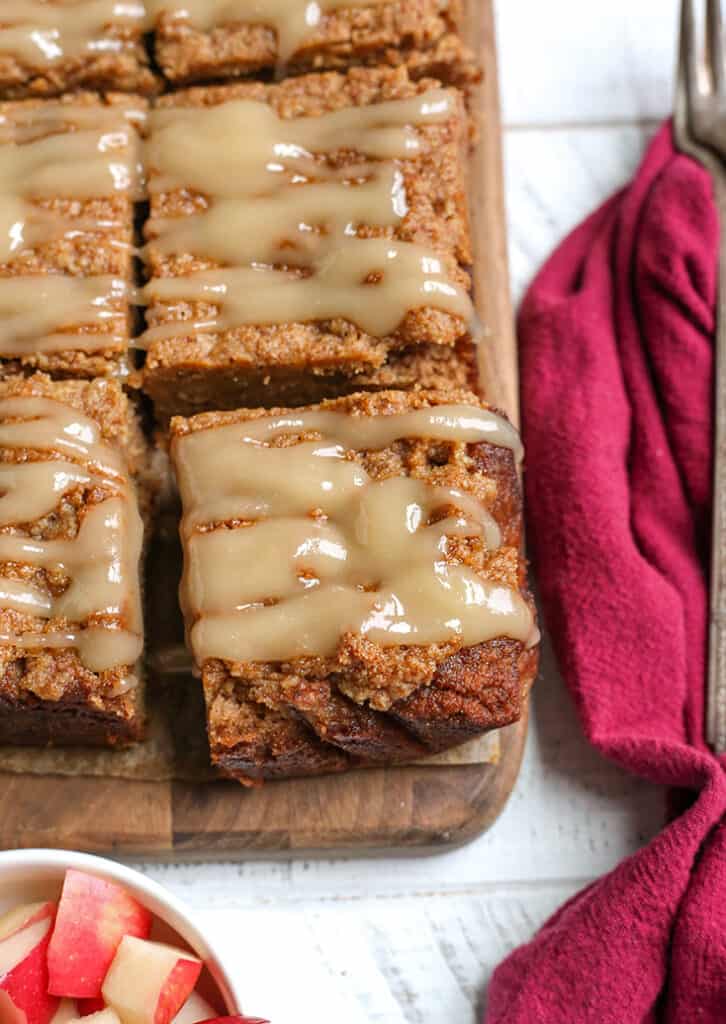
(29, 875)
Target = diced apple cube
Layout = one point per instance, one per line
(93, 916)
(149, 982)
(24, 995)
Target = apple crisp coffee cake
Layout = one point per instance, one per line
(71, 631)
(306, 239)
(69, 178)
(354, 587)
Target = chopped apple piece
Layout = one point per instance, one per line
(194, 1010)
(24, 995)
(101, 1017)
(149, 982)
(93, 916)
(21, 917)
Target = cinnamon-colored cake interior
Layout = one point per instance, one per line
(70, 545)
(383, 612)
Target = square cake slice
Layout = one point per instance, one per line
(69, 177)
(354, 587)
(205, 40)
(71, 630)
(306, 239)
(49, 47)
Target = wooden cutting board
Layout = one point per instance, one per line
(423, 806)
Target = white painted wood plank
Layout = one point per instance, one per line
(572, 62)
(555, 179)
(386, 961)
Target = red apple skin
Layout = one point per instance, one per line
(149, 982)
(89, 1006)
(93, 916)
(25, 987)
(179, 983)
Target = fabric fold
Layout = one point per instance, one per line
(616, 339)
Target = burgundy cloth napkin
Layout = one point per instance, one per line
(616, 347)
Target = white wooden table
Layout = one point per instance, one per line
(414, 940)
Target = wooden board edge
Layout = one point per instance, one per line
(483, 791)
(35, 811)
(498, 358)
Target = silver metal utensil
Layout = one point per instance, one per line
(700, 127)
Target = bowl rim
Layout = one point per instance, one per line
(174, 911)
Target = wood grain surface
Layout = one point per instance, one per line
(424, 807)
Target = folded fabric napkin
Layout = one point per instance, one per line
(617, 354)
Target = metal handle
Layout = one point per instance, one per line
(716, 713)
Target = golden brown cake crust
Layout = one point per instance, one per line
(40, 691)
(392, 704)
(262, 364)
(422, 35)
